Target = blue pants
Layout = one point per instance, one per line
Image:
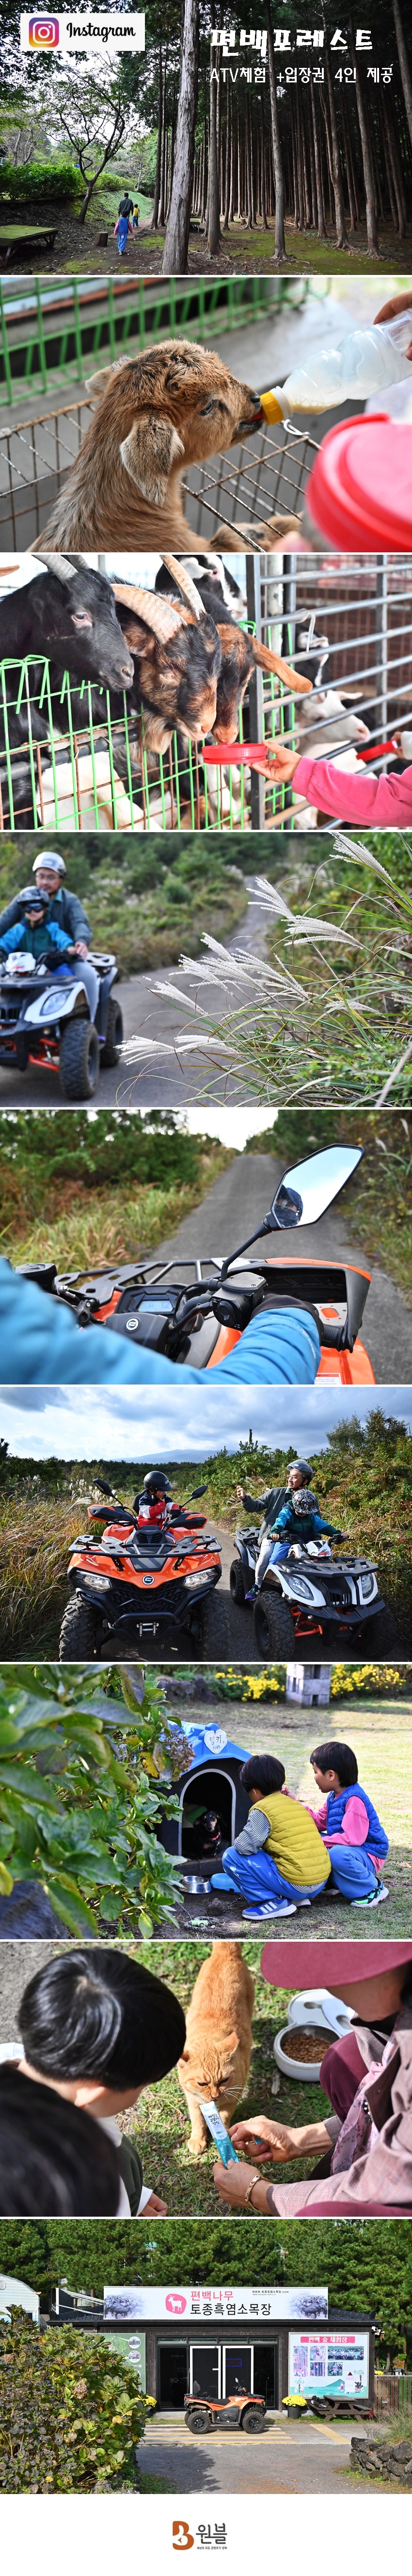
(259, 1878)
(353, 1871)
(83, 973)
(122, 234)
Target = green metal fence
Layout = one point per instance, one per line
(101, 775)
(51, 335)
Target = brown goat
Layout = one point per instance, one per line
(177, 659)
(171, 408)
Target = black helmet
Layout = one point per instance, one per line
(31, 899)
(156, 1482)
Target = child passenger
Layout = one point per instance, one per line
(275, 1862)
(349, 1826)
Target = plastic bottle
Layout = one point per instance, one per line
(360, 365)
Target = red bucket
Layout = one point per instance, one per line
(359, 492)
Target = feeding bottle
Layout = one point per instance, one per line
(362, 364)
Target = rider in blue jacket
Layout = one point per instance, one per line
(41, 1345)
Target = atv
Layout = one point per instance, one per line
(47, 1022)
(111, 1577)
(210, 2414)
(312, 1598)
(201, 1321)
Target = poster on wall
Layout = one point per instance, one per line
(131, 2348)
(188, 2303)
(329, 2365)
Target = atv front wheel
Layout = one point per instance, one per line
(79, 1060)
(237, 1580)
(78, 1633)
(273, 1626)
(199, 2422)
(110, 1052)
(214, 1630)
(381, 1633)
(252, 2420)
(22, 1052)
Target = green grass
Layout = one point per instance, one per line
(146, 903)
(107, 1224)
(160, 2124)
(241, 250)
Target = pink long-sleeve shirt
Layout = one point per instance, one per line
(354, 798)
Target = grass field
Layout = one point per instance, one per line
(241, 250)
(111, 1223)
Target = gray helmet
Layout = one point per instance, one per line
(49, 859)
(31, 899)
(302, 1465)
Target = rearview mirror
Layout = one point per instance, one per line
(197, 1491)
(103, 1489)
(308, 1189)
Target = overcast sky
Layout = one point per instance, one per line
(98, 1422)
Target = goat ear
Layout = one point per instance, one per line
(272, 662)
(98, 383)
(152, 447)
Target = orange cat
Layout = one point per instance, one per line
(215, 2062)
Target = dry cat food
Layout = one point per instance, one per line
(308, 2045)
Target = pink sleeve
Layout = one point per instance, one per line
(355, 1822)
(352, 797)
(319, 1814)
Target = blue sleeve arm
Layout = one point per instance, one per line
(41, 1345)
(12, 938)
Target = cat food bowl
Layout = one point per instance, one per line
(314, 2019)
(196, 1886)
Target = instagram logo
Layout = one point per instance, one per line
(44, 32)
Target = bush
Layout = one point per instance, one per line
(80, 1796)
(56, 180)
(71, 2412)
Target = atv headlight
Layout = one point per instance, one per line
(97, 1582)
(297, 1584)
(192, 1581)
(367, 1585)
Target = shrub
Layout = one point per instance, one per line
(56, 180)
(80, 1803)
(71, 2411)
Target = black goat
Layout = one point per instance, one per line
(67, 617)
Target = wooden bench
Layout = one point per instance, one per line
(33, 236)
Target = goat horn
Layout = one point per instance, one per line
(272, 662)
(184, 584)
(60, 564)
(164, 616)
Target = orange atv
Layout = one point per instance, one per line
(200, 1322)
(144, 1580)
(214, 2415)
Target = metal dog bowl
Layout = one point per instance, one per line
(196, 1886)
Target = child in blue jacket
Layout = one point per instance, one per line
(350, 1826)
(33, 934)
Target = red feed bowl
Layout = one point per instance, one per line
(359, 491)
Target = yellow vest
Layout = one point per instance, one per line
(293, 1840)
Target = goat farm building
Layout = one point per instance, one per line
(274, 2343)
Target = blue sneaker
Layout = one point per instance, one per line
(260, 1913)
(379, 1899)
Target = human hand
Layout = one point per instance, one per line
(265, 2141)
(396, 304)
(80, 948)
(240, 1493)
(232, 2182)
(281, 764)
(155, 2208)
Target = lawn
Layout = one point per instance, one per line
(240, 250)
(160, 2123)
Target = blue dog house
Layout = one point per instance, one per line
(210, 1787)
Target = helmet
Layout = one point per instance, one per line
(156, 1482)
(50, 859)
(304, 1470)
(32, 900)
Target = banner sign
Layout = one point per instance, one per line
(329, 2365)
(187, 2304)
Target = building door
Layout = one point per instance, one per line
(205, 2370)
(172, 2373)
(210, 1794)
(238, 2375)
(266, 2372)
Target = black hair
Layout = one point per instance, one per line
(261, 1772)
(55, 2162)
(98, 2012)
(337, 1757)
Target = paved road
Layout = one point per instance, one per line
(284, 2460)
(236, 1203)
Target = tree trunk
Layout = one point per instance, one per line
(387, 150)
(232, 164)
(280, 249)
(312, 167)
(404, 64)
(213, 236)
(348, 158)
(248, 183)
(205, 166)
(318, 165)
(155, 215)
(228, 159)
(299, 167)
(396, 170)
(371, 223)
(175, 254)
(305, 170)
(263, 180)
(164, 148)
(341, 234)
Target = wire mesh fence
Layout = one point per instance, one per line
(262, 478)
(66, 762)
(50, 333)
